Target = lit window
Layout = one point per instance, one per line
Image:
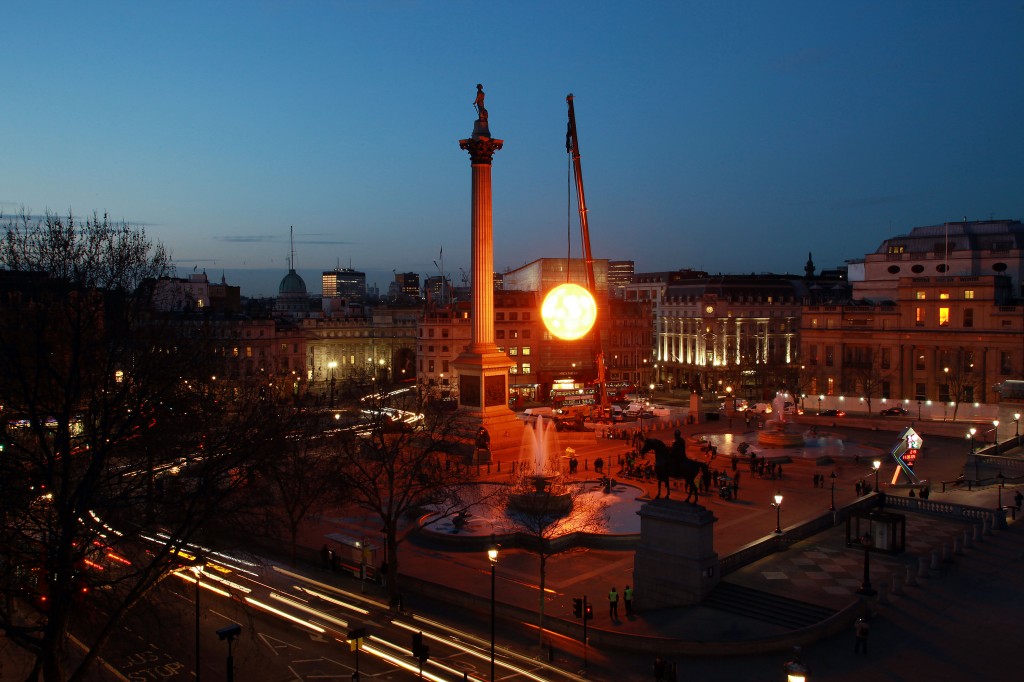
(919, 316)
(526, 350)
(943, 317)
(513, 350)
(919, 295)
(943, 295)
(969, 293)
(525, 368)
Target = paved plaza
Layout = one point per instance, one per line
(972, 597)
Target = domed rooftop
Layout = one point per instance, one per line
(292, 283)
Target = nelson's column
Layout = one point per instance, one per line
(482, 368)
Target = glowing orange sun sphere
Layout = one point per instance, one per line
(569, 311)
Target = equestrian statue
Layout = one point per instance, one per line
(675, 464)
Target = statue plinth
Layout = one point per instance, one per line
(675, 563)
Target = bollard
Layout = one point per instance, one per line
(911, 577)
(883, 593)
(897, 589)
(957, 549)
(922, 567)
(969, 538)
(935, 560)
(947, 556)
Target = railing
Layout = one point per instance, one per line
(779, 542)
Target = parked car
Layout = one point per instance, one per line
(894, 412)
(833, 413)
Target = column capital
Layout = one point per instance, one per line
(481, 149)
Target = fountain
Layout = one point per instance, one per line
(775, 433)
(538, 483)
(538, 490)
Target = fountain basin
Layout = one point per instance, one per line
(775, 435)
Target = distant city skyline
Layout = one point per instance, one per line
(731, 137)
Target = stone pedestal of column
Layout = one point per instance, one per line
(675, 563)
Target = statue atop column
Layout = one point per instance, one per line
(481, 112)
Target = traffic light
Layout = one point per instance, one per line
(420, 650)
(577, 607)
(590, 612)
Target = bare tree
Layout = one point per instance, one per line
(102, 399)
(960, 378)
(302, 479)
(862, 369)
(398, 461)
(540, 514)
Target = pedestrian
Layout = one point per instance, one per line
(627, 597)
(1018, 499)
(384, 574)
(325, 557)
(613, 604)
(859, 487)
(861, 630)
(815, 480)
(659, 669)
(912, 494)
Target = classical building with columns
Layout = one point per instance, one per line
(717, 331)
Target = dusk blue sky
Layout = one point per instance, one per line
(728, 136)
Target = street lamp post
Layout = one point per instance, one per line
(331, 365)
(1016, 427)
(778, 512)
(795, 670)
(918, 410)
(995, 433)
(876, 465)
(820, 398)
(865, 587)
(833, 477)
(492, 555)
(197, 569)
(970, 435)
(1000, 478)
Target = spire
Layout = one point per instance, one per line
(809, 267)
(291, 237)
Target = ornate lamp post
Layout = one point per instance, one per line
(820, 398)
(876, 465)
(995, 433)
(778, 512)
(492, 555)
(1016, 427)
(331, 365)
(833, 477)
(970, 436)
(865, 587)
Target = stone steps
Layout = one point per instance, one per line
(766, 607)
